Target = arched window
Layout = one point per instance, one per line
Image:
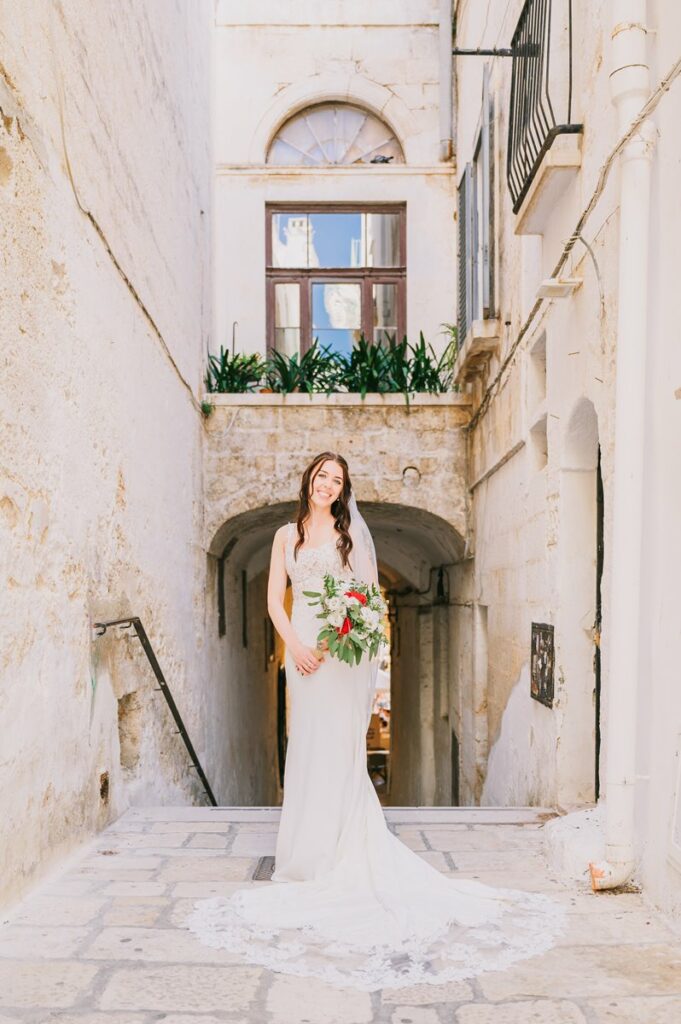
(334, 133)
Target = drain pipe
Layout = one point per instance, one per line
(446, 81)
(630, 89)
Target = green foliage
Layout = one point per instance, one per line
(207, 408)
(315, 370)
(392, 367)
(233, 374)
(430, 372)
(365, 369)
(453, 333)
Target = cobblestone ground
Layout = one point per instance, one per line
(104, 942)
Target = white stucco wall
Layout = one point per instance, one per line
(660, 694)
(271, 61)
(100, 478)
(532, 525)
(521, 534)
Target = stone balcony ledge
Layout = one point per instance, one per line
(337, 398)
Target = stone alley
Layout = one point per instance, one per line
(105, 942)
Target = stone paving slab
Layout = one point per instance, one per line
(106, 941)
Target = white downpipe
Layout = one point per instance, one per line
(446, 123)
(630, 89)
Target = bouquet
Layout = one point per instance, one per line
(353, 615)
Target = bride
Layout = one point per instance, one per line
(349, 902)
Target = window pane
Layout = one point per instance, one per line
(336, 314)
(337, 341)
(383, 239)
(385, 305)
(287, 155)
(286, 305)
(374, 139)
(333, 133)
(336, 240)
(290, 233)
(287, 340)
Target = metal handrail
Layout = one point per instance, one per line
(141, 634)
(533, 122)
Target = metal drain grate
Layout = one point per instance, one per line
(264, 869)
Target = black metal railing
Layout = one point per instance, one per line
(541, 90)
(141, 634)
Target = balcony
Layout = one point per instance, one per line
(544, 144)
(479, 345)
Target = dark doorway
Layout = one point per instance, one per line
(456, 798)
(281, 722)
(597, 623)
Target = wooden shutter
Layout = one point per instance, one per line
(466, 250)
(487, 201)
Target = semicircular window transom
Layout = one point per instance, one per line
(334, 133)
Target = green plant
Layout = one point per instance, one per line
(367, 368)
(389, 367)
(428, 372)
(452, 332)
(316, 370)
(397, 358)
(234, 374)
(207, 408)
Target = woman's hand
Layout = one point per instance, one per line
(307, 660)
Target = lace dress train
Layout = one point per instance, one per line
(349, 902)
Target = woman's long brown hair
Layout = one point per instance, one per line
(340, 508)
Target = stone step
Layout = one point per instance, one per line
(395, 815)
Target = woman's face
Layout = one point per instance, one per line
(327, 485)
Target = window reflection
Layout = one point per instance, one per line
(336, 314)
(382, 239)
(287, 318)
(335, 240)
(290, 240)
(384, 312)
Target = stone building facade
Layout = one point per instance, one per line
(571, 474)
(544, 492)
(105, 297)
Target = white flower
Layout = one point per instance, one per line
(371, 617)
(337, 619)
(336, 604)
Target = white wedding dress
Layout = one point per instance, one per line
(350, 903)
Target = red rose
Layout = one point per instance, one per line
(355, 593)
(346, 627)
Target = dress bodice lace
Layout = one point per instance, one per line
(307, 570)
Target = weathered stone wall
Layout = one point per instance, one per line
(104, 228)
(533, 452)
(407, 468)
(257, 447)
(522, 536)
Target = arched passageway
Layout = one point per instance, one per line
(418, 554)
(581, 569)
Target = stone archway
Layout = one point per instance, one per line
(577, 559)
(418, 556)
(407, 465)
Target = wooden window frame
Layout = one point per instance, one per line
(476, 227)
(365, 276)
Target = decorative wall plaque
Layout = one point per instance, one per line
(541, 663)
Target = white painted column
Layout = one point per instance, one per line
(630, 90)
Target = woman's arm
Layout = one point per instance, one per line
(305, 658)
